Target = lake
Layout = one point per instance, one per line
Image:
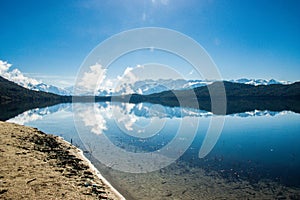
(149, 151)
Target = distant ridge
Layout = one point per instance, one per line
(150, 86)
(236, 90)
(239, 97)
(239, 90)
(256, 82)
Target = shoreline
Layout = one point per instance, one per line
(97, 172)
(37, 165)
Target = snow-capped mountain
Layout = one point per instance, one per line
(39, 113)
(19, 78)
(39, 86)
(259, 81)
(144, 87)
(155, 86)
(146, 110)
(149, 86)
(50, 88)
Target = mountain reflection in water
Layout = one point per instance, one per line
(255, 147)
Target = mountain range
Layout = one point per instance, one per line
(149, 86)
(239, 97)
(142, 110)
(144, 87)
(50, 89)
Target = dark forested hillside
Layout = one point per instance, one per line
(11, 92)
(15, 99)
(239, 90)
(238, 97)
(234, 90)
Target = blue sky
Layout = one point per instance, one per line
(50, 39)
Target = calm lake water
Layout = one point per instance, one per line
(152, 152)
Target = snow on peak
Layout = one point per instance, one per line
(16, 76)
(105, 87)
(259, 81)
(19, 78)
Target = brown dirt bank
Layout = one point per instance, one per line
(35, 165)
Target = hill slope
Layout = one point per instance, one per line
(15, 99)
(239, 90)
(238, 97)
(234, 90)
(11, 92)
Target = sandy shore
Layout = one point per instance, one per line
(35, 165)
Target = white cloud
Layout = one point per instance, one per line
(125, 81)
(92, 117)
(124, 116)
(16, 75)
(131, 75)
(91, 80)
(28, 116)
(95, 81)
(4, 67)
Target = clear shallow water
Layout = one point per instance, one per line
(253, 149)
